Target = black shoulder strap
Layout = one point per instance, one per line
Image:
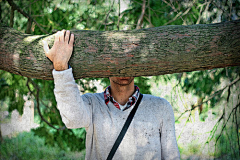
(124, 129)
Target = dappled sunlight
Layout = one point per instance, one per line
(123, 43)
(15, 58)
(31, 38)
(196, 132)
(171, 37)
(19, 123)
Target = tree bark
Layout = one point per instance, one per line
(145, 52)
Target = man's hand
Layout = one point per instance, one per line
(61, 51)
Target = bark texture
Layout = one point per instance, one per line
(145, 52)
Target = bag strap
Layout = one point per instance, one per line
(124, 129)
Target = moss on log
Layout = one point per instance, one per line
(145, 52)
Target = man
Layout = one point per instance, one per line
(151, 135)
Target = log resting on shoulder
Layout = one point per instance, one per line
(145, 52)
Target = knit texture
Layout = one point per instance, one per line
(151, 134)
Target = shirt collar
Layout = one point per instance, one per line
(131, 101)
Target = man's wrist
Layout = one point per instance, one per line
(61, 67)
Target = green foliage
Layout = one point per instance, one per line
(208, 84)
(225, 146)
(103, 15)
(143, 84)
(27, 146)
(13, 88)
(65, 139)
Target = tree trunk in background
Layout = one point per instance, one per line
(145, 52)
(1, 138)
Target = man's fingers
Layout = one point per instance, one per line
(56, 37)
(71, 39)
(67, 36)
(61, 35)
(45, 47)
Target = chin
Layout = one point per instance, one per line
(123, 81)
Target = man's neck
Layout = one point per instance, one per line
(122, 93)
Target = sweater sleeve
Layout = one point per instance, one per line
(74, 111)
(168, 137)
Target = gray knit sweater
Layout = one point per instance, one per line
(151, 134)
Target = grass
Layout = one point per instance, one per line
(26, 146)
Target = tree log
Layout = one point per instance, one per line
(145, 52)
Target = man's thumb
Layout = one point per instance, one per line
(45, 46)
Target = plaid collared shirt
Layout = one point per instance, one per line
(131, 101)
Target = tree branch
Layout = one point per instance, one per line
(235, 108)
(174, 9)
(146, 52)
(12, 17)
(149, 15)
(201, 9)
(237, 131)
(108, 15)
(38, 103)
(118, 14)
(140, 20)
(180, 14)
(15, 7)
(29, 24)
(215, 94)
(160, 12)
(105, 22)
(212, 132)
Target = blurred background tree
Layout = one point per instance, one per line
(195, 96)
